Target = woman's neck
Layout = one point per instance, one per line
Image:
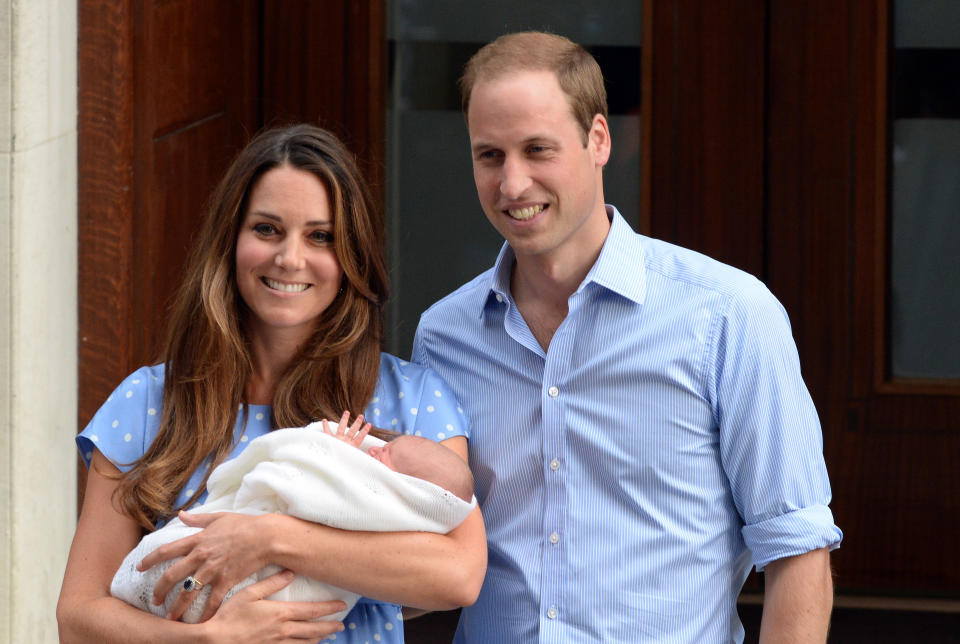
(271, 356)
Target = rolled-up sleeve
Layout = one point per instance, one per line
(771, 441)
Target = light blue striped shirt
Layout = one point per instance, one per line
(631, 475)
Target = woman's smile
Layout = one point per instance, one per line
(285, 287)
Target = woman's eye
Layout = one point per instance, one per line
(264, 229)
(321, 236)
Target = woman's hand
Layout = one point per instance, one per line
(247, 617)
(230, 548)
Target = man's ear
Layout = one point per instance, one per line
(598, 140)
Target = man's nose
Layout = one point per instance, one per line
(515, 178)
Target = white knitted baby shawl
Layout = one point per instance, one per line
(308, 474)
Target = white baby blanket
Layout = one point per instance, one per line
(308, 474)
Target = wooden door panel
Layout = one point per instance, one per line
(105, 198)
(325, 63)
(187, 164)
(193, 54)
(704, 91)
(890, 447)
(196, 103)
(307, 78)
(897, 503)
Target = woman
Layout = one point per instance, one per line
(278, 323)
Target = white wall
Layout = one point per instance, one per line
(38, 310)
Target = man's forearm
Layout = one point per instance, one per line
(798, 599)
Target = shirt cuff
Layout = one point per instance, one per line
(791, 534)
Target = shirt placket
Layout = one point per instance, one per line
(553, 401)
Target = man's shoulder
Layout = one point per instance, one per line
(680, 265)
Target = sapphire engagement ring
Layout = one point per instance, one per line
(191, 584)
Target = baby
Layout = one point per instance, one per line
(426, 460)
(410, 483)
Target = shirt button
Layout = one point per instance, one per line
(553, 391)
(499, 298)
(552, 612)
(554, 538)
(554, 465)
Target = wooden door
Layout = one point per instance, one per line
(168, 93)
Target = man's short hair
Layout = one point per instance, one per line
(577, 72)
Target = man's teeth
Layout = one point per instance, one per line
(525, 213)
(286, 288)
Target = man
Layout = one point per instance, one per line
(641, 432)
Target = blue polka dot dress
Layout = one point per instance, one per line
(408, 398)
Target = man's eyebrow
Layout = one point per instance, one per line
(481, 145)
(540, 138)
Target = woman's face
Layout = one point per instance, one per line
(287, 269)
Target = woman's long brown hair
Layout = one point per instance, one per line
(206, 354)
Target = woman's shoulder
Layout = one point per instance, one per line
(143, 385)
(152, 375)
(404, 373)
(414, 399)
(127, 421)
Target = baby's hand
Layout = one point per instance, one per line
(354, 434)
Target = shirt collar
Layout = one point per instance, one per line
(500, 278)
(619, 268)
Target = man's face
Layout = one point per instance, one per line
(538, 184)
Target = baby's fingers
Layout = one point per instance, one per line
(342, 425)
(360, 435)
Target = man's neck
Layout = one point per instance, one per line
(541, 285)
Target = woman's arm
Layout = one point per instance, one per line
(86, 612)
(420, 569)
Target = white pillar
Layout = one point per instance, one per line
(38, 310)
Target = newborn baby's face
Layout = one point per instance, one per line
(382, 454)
(398, 453)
